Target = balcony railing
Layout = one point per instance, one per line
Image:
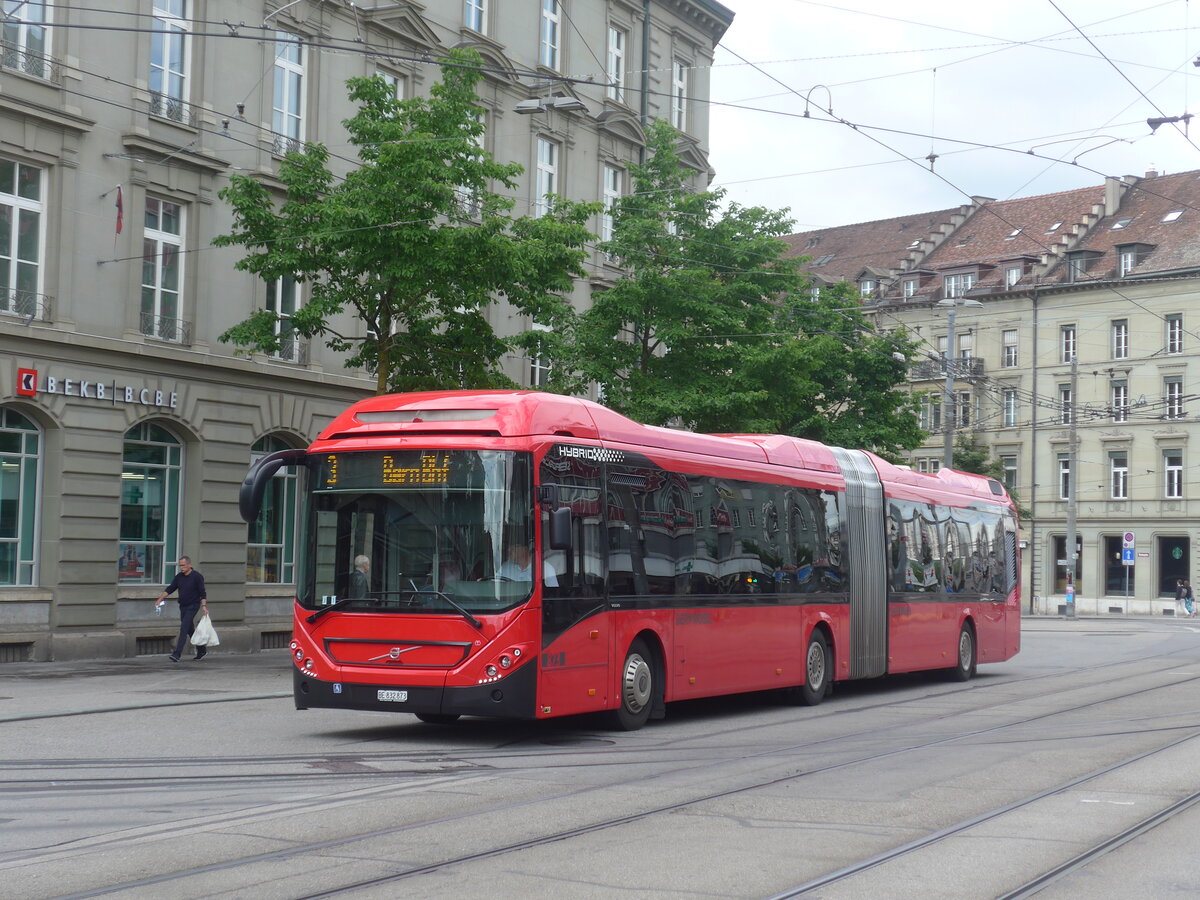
(293, 351)
(172, 108)
(282, 144)
(162, 328)
(31, 63)
(933, 369)
(25, 305)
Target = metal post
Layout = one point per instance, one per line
(949, 412)
(1072, 459)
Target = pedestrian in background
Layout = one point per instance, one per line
(1189, 599)
(192, 599)
(1180, 594)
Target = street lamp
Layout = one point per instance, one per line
(950, 413)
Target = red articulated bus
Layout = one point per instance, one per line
(525, 555)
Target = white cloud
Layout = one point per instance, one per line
(955, 77)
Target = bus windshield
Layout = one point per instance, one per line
(429, 531)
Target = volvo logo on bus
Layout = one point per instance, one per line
(394, 653)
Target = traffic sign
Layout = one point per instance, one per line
(1128, 540)
(1127, 556)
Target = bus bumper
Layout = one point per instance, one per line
(512, 697)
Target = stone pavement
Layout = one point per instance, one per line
(51, 689)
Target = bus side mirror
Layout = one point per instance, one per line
(255, 484)
(560, 528)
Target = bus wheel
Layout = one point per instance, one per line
(816, 670)
(637, 688)
(966, 655)
(437, 718)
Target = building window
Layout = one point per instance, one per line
(679, 89)
(1010, 358)
(614, 70)
(1012, 275)
(24, 38)
(271, 538)
(151, 469)
(957, 285)
(1120, 401)
(168, 59)
(1126, 260)
(966, 345)
(162, 270)
(398, 83)
(1009, 463)
(1077, 266)
(546, 181)
(283, 299)
(539, 366)
(610, 194)
(288, 109)
(1065, 404)
(1173, 396)
(20, 462)
(935, 414)
(1118, 465)
(548, 45)
(962, 409)
(475, 15)
(1173, 471)
(908, 287)
(1064, 476)
(1067, 343)
(1175, 333)
(1120, 339)
(1010, 408)
(20, 238)
(866, 287)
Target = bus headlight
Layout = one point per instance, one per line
(491, 671)
(505, 662)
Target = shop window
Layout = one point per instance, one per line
(20, 461)
(151, 470)
(271, 541)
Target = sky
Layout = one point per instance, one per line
(904, 81)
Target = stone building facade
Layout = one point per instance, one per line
(126, 425)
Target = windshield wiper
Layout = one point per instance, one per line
(331, 607)
(444, 596)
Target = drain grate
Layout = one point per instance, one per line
(16, 652)
(275, 640)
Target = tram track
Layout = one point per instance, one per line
(449, 862)
(367, 766)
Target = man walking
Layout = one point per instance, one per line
(192, 599)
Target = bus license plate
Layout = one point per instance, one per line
(393, 696)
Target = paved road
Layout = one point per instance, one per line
(142, 778)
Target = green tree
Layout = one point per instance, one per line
(412, 243)
(712, 327)
(971, 454)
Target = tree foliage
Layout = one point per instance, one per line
(412, 243)
(713, 328)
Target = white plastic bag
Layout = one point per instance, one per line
(205, 635)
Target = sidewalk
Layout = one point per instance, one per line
(54, 689)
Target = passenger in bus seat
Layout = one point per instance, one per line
(360, 578)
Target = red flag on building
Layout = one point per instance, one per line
(120, 209)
